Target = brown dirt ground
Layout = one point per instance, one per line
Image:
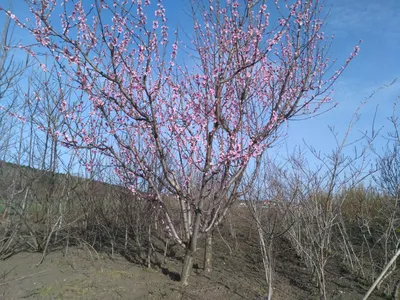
(85, 274)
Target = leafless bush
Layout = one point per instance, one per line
(387, 228)
(319, 202)
(268, 202)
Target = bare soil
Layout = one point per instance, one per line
(83, 273)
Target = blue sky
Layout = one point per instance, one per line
(378, 25)
(378, 64)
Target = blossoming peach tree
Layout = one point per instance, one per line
(189, 117)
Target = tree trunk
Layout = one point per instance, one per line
(266, 252)
(208, 253)
(191, 247)
(187, 267)
(149, 247)
(232, 230)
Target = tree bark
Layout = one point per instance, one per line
(191, 247)
(190, 250)
(187, 267)
(208, 252)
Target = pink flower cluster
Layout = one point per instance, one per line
(149, 111)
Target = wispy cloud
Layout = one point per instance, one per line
(366, 17)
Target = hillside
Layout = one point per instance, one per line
(95, 237)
